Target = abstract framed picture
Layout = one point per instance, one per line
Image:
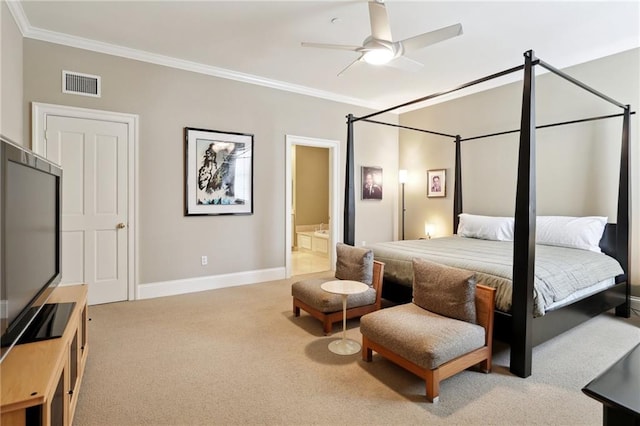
(371, 183)
(218, 172)
(436, 183)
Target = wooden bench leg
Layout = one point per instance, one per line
(296, 309)
(367, 353)
(485, 366)
(327, 325)
(432, 379)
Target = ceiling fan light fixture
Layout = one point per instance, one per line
(378, 56)
(379, 48)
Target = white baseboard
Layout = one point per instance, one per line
(212, 282)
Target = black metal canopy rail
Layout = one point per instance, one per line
(505, 132)
(525, 220)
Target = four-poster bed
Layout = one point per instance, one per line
(518, 326)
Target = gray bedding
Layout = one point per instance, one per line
(559, 271)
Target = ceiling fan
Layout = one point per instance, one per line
(380, 49)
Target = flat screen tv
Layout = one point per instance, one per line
(30, 257)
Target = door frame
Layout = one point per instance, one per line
(39, 114)
(334, 200)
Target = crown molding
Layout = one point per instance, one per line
(35, 33)
(15, 7)
(28, 31)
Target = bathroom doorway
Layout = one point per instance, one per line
(311, 187)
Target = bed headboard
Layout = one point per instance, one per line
(608, 240)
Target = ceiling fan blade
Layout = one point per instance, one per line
(423, 40)
(349, 66)
(380, 28)
(404, 63)
(331, 46)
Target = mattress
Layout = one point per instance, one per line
(560, 273)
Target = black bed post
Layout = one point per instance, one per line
(524, 244)
(622, 227)
(457, 189)
(349, 226)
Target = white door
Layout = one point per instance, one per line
(94, 158)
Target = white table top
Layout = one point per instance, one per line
(344, 287)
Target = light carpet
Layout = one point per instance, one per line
(239, 356)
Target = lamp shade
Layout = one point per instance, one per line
(402, 176)
(429, 228)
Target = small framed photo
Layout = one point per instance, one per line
(436, 183)
(371, 183)
(218, 172)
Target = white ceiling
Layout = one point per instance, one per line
(259, 41)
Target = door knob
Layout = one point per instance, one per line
(121, 225)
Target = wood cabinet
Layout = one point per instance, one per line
(617, 388)
(40, 381)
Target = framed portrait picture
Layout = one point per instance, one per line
(371, 183)
(436, 183)
(218, 172)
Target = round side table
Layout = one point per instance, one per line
(344, 288)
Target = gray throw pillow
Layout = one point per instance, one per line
(354, 263)
(444, 290)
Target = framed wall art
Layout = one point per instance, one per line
(218, 172)
(371, 183)
(436, 183)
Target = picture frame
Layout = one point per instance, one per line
(218, 172)
(436, 183)
(371, 182)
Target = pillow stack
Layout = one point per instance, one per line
(563, 231)
(485, 227)
(573, 232)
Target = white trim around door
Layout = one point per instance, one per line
(334, 199)
(39, 114)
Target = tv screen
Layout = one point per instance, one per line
(30, 208)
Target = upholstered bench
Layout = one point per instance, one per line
(352, 263)
(447, 328)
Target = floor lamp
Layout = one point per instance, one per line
(402, 178)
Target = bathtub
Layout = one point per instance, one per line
(315, 241)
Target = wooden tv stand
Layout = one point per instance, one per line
(40, 381)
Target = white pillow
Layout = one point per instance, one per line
(485, 227)
(574, 232)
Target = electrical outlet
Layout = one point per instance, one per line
(364, 243)
(204, 260)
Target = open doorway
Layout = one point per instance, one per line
(311, 186)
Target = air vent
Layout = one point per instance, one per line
(81, 84)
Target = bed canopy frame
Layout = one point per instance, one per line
(520, 328)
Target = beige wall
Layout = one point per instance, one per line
(312, 185)
(577, 164)
(11, 120)
(167, 100)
